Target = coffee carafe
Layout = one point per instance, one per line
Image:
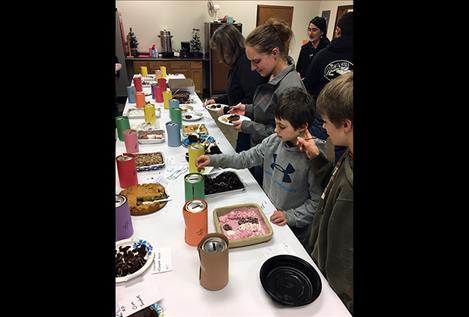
(166, 48)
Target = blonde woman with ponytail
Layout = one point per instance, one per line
(267, 49)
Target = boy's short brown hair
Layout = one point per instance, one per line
(296, 106)
(336, 99)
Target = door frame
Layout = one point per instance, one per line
(341, 10)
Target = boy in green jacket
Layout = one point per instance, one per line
(331, 239)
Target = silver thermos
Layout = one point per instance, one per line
(166, 48)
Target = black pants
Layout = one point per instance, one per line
(243, 143)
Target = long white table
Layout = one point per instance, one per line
(180, 288)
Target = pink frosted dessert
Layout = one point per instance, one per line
(241, 223)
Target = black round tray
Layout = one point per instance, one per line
(290, 280)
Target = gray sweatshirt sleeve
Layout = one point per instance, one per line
(249, 110)
(252, 157)
(302, 215)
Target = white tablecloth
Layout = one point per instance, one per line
(180, 288)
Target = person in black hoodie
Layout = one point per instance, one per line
(317, 33)
(331, 62)
(242, 81)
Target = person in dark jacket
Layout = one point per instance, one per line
(317, 34)
(331, 62)
(242, 81)
(330, 242)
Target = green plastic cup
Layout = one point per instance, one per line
(122, 124)
(175, 115)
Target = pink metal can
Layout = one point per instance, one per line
(131, 141)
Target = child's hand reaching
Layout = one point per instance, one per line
(279, 218)
(307, 144)
(202, 161)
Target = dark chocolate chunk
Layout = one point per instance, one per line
(233, 117)
(193, 138)
(129, 260)
(225, 181)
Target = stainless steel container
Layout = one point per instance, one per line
(214, 244)
(196, 206)
(165, 37)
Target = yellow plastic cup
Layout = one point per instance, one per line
(195, 150)
(167, 95)
(163, 71)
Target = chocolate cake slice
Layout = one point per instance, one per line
(233, 117)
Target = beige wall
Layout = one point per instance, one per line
(147, 18)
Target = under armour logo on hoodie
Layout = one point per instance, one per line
(286, 171)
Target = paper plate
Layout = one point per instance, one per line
(191, 116)
(200, 129)
(202, 139)
(186, 107)
(156, 307)
(149, 257)
(215, 107)
(224, 119)
(290, 280)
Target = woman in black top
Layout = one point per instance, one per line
(242, 81)
(317, 33)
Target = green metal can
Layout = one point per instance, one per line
(175, 115)
(122, 124)
(194, 186)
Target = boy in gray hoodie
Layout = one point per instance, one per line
(292, 184)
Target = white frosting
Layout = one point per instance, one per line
(248, 226)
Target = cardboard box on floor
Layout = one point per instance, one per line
(185, 84)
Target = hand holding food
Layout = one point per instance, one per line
(238, 109)
(306, 144)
